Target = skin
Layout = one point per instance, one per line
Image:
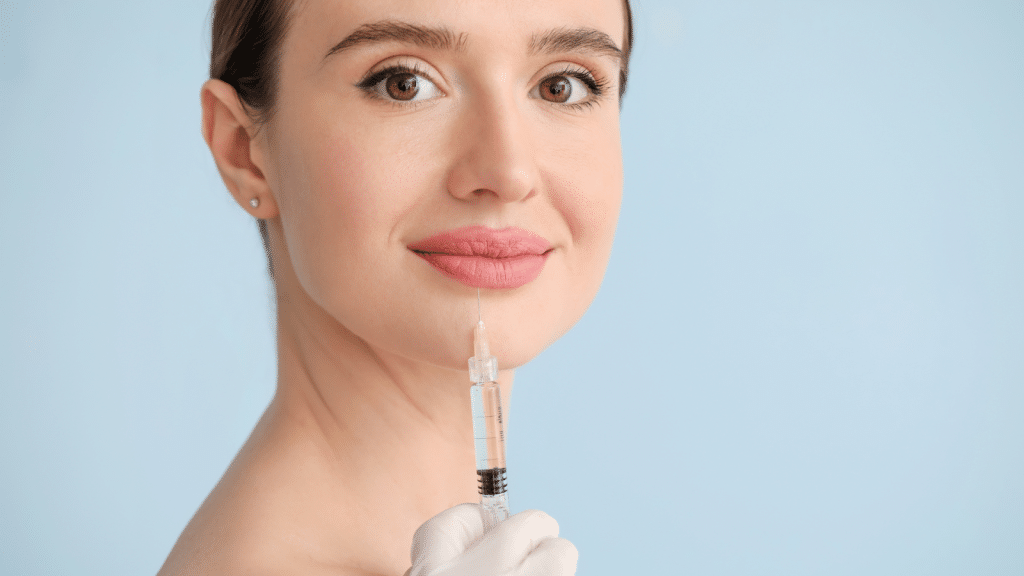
(369, 433)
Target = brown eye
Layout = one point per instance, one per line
(556, 89)
(402, 86)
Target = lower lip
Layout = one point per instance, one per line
(484, 272)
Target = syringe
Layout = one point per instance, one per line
(488, 428)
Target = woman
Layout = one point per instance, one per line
(400, 156)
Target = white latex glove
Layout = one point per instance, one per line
(450, 544)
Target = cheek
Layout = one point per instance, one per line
(586, 184)
(370, 178)
(344, 227)
(344, 186)
(332, 212)
(591, 201)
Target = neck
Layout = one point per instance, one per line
(388, 439)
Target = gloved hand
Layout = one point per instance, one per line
(450, 544)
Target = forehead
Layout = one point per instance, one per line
(316, 25)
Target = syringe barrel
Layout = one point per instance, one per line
(489, 444)
(488, 426)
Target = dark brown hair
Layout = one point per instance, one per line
(245, 53)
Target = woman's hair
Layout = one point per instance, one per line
(245, 53)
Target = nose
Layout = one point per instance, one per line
(495, 154)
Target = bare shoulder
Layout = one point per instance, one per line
(254, 524)
(278, 511)
(232, 558)
(244, 546)
(214, 543)
(241, 545)
(235, 533)
(240, 528)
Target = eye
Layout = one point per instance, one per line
(570, 87)
(400, 84)
(560, 89)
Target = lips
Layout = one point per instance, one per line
(482, 257)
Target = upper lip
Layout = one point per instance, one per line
(484, 241)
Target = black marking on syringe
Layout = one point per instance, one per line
(492, 481)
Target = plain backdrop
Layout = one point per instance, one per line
(807, 357)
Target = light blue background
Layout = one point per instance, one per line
(827, 378)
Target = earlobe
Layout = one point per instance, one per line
(229, 131)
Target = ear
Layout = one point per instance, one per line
(230, 134)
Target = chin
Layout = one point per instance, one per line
(521, 340)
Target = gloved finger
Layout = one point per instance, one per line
(551, 557)
(444, 537)
(505, 547)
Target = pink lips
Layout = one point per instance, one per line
(482, 257)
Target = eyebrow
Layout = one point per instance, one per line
(558, 40)
(393, 31)
(576, 40)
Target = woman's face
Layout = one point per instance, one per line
(397, 120)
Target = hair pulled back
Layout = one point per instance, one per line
(246, 50)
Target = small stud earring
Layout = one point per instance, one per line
(255, 202)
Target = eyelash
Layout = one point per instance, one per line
(596, 84)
